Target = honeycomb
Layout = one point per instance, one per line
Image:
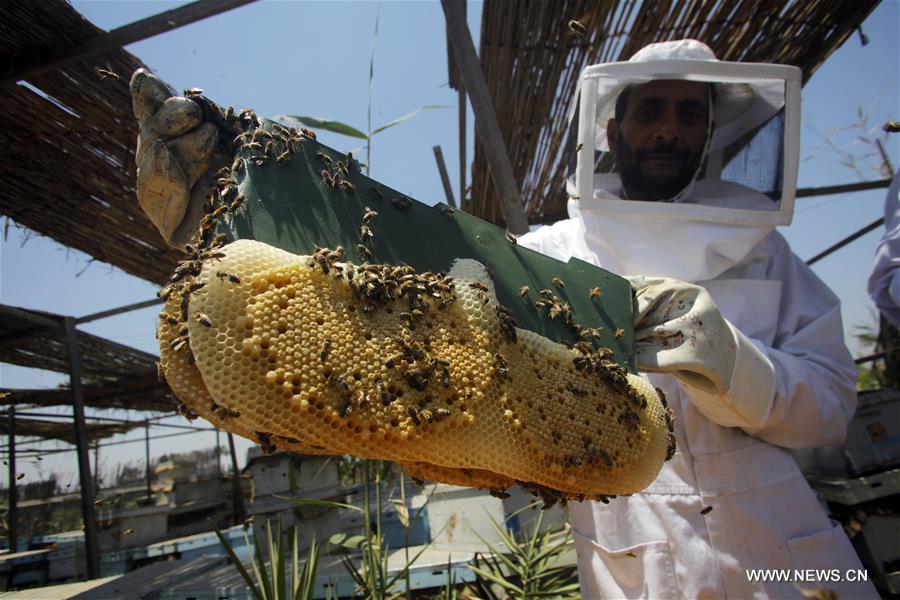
(318, 355)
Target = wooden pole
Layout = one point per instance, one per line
(445, 178)
(147, 459)
(38, 61)
(92, 548)
(485, 117)
(236, 483)
(12, 516)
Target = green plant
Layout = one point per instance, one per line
(271, 578)
(528, 567)
(350, 131)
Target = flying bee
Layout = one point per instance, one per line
(595, 292)
(511, 237)
(323, 157)
(706, 510)
(363, 252)
(402, 203)
(203, 319)
(326, 350)
(578, 28)
(556, 281)
(107, 74)
(619, 333)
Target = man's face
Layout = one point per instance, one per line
(659, 142)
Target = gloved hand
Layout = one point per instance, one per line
(176, 157)
(679, 329)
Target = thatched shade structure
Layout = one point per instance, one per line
(532, 59)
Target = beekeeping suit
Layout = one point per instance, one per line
(884, 284)
(751, 358)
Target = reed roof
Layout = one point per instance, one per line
(531, 61)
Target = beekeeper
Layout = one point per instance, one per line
(685, 166)
(884, 283)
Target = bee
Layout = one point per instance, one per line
(223, 411)
(232, 278)
(619, 333)
(579, 147)
(446, 210)
(342, 168)
(270, 147)
(414, 415)
(440, 414)
(286, 155)
(20, 476)
(265, 442)
(375, 194)
(574, 197)
(631, 554)
(203, 319)
(347, 186)
(323, 157)
(365, 234)
(345, 408)
(595, 292)
(249, 521)
(545, 293)
(706, 510)
(194, 91)
(171, 320)
(523, 291)
(308, 133)
(253, 146)
(577, 28)
(261, 133)
(402, 203)
(511, 237)
(478, 286)
(369, 215)
(235, 204)
(631, 419)
(178, 343)
(363, 252)
(187, 413)
(128, 531)
(326, 350)
(556, 281)
(427, 416)
(501, 367)
(107, 74)
(327, 177)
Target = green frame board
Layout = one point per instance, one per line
(288, 204)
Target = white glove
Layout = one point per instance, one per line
(175, 157)
(679, 329)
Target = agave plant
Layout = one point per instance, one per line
(528, 567)
(271, 577)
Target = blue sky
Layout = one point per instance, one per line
(312, 58)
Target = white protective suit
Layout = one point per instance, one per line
(884, 284)
(658, 543)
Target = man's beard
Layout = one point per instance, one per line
(643, 186)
